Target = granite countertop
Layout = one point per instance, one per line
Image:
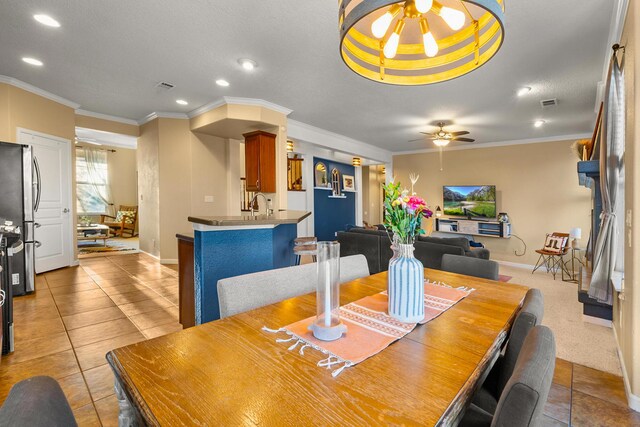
(279, 217)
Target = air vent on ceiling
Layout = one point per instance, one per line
(165, 85)
(549, 103)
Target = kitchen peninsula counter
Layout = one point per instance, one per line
(228, 246)
(277, 218)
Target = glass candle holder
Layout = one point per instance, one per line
(327, 326)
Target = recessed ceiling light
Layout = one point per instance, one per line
(46, 20)
(33, 61)
(524, 90)
(222, 82)
(539, 123)
(182, 102)
(248, 64)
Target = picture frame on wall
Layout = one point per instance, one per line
(348, 183)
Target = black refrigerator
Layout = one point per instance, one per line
(19, 199)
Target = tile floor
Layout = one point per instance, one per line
(78, 314)
(582, 396)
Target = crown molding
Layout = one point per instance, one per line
(117, 119)
(230, 100)
(499, 144)
(37, 91)
(334, 141)
(206, 108)
(161, 115)
(258, 103)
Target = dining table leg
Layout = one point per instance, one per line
(127, 416)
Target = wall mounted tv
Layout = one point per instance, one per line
(470, 201)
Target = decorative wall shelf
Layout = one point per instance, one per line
(349, 191)
(474, 227)
(323, 188)
(338, 197)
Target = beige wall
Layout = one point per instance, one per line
(536, 184)
(123, 176)
(34, 112)
(372, 181)
(181, 167)
(626, 311)
(208, 174)
(175, 183)
(106, 125)
(148, 188)
(4, 113)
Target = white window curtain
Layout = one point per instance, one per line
(608, 253)
(92, 180)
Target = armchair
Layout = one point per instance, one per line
(124, 221)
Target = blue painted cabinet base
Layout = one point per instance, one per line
(229, 253)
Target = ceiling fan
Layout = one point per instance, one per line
(441, 138)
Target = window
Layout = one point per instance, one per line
(92, 181)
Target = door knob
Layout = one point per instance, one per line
(65, 210)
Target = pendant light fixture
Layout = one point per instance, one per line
(419, 42)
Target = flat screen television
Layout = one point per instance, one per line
(469, 201)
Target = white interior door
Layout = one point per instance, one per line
(54, 241)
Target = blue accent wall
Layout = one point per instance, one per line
(222, 254)
(333, 215)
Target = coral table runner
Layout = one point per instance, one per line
(369, 328)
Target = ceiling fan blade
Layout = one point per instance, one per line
(427, 133)
(463, 139)
(414, 140)
(460, 133)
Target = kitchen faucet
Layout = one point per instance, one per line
(266, 201)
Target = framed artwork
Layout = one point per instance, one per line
(348, 183)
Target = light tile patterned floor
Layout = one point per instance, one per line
(77, 315)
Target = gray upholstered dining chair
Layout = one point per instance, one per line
(529, 316)
(470, 266)
(37, 402)
(525, 394)
(243, 293)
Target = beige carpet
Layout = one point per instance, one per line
(576, 341)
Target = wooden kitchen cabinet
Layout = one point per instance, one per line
(260, 161)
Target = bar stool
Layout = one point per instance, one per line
(299, 250)
(305, 241)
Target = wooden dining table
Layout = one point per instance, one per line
(230, 372)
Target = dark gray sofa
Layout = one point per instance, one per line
(375, 245)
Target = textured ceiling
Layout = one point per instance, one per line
(108, 56)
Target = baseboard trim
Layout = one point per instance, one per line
(597, 321)
(169, 261)
(151, 255)
(515, 264)
(633, 400)
(75, 263)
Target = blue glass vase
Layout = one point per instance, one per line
(405, 285)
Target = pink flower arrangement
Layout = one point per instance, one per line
(404, 212)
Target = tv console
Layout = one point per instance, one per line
(487, 228)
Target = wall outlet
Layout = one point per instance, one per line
(208, 199)
(15, 278)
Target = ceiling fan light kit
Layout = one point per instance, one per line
(419, 42)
